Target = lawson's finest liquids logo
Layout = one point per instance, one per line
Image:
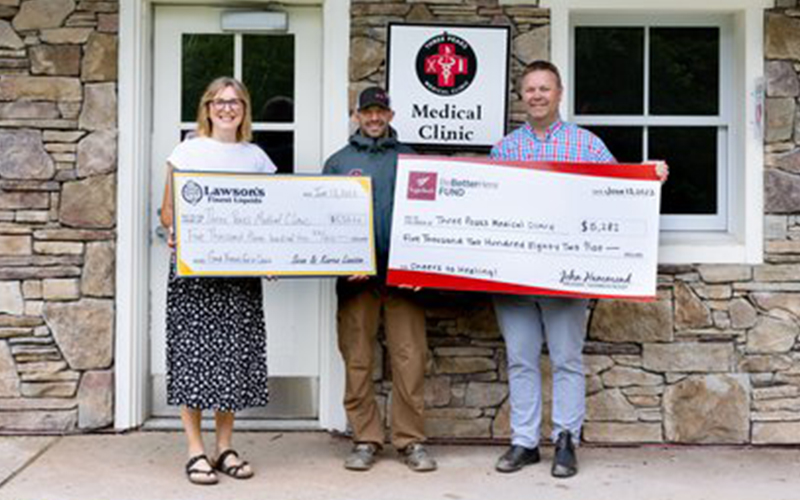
(446, 64)
(422, 185)
(192, 193)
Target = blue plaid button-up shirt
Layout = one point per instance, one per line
(563, 142)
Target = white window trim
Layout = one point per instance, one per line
(723, 121)
(743, 242)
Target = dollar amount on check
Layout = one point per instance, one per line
(255, 225)
(579, 230)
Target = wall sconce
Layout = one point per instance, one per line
(254, 20)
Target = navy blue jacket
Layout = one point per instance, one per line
(376, 158)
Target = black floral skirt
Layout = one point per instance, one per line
(216, 343)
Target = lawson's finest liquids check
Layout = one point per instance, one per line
(567, 229)
(255, 225)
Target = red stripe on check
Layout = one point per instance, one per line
(447, 282)
(640, 171)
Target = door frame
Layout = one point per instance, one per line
(134, 101)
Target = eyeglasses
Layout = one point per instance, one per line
(220, 104)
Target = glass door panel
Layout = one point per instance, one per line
(204, 57)
(268, 71)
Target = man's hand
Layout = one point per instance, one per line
(662, 170)
(171, 237)
(357, 278)
(410, 287)
(360, 278)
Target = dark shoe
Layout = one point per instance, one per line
(362, 457)
(201, 476)
(418, 459)
(516, 458)
(237, 469)
(565, 461)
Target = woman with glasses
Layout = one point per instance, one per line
(216, 336)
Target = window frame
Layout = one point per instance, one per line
(722, 121)
(743, 242)
(238, 70)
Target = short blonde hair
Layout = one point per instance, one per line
(204, 126)
(539, 65)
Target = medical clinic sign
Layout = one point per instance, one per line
(448, 83)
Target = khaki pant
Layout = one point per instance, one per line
(404, 324)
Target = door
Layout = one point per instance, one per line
(282, 70)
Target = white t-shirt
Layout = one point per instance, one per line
(210, 155)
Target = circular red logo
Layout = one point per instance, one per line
(446, 64)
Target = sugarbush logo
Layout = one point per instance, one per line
(192, 192)
(446, 64)
(422, 185)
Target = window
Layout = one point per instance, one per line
(653, 87)
(265, 63)
(734, 232)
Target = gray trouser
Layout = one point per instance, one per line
(525, 322)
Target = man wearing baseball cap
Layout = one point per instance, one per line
(372, 151)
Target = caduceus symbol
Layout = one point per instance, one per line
(446, 65)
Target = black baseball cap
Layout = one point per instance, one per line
(373, 96)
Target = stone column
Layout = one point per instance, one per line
(58, 74)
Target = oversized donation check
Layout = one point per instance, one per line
(259, 224)
(568, 229)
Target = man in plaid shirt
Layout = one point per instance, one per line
(545, 137)
(526, 321)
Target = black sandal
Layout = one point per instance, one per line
(208, 476)
(234, 471)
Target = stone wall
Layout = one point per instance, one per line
(715, 360)
(772, 353)
(58, 158)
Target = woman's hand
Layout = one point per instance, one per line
(171, 237)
